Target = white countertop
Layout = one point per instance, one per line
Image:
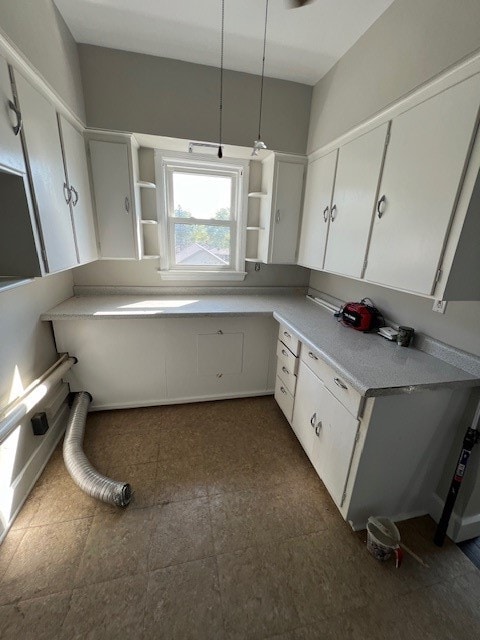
(370, 364)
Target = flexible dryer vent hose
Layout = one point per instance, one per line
(78, 466)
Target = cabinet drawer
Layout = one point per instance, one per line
(287, 376)
(350, 398)
(284, 399)
(289, 339)
(286, 357)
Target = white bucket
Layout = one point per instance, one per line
(383, 539)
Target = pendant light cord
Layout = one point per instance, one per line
(263, 71)
(220, 153)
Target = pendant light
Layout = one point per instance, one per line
(259, 144)
(220, 151)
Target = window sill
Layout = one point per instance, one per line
(226, 276)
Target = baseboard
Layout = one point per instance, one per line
(460, 528)
(165, 401)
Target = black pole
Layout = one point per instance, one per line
(469, 441)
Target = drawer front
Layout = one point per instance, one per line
(350, 398)
(289, 339)
(286, 357)
(284, 399)
(287, 376)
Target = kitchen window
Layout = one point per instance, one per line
(202, 226)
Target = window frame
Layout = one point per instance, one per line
(166, 165)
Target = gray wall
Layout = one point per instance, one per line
(147, 94)
(409, 44)
(38, 30)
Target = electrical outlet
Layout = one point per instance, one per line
(439, 306)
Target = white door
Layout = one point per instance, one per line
(354, 200)
(77, 170)
(286, 211)
(11, 154)
(45, 159)
(334, 441)
(424, 163)
(307, 407)
(116, 219)
(316, 211)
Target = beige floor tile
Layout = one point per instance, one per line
(8, 547)
(37, 619)
(183, 603)
(107, 611)
(256, 600)
(45, 561)
(117, 545)
(180, 479)
(182, 532)
(61, 501)
(245, 518)
(134, 447)
(28, 510)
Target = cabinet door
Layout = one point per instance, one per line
(11, 153)
(354, 201)
(307, 407)
(45, 161)
(82, 210)
(424, 164)
(316, 209)
(114, 204)
(286, 211)
(333, 443)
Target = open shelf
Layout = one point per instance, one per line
(257, 194)
(146, 185)
(149, 221)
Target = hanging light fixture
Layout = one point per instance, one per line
(259, 144)
(220, 151)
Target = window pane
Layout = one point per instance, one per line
(201, 196)
(202, 244)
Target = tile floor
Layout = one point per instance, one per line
(230, 535)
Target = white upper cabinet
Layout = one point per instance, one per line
(45, 161)
(316, 211)
(79, 186)
(424, 165)
(115, 199)
(356, 183)
(11, 153)
(280, 208)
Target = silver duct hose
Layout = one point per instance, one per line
(83, 474)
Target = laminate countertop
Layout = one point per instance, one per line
(372, 365)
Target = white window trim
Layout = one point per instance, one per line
(165, 162)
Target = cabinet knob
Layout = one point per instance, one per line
(325, 214)
(18, 127)
(339, 383)
(312, 356)
(333, 213)
(67, 194)
(285, 353)
(381, 205)
(277, 215)
(285, 370)
(75, 194)
(313, 419)
(282, 389)
(286, 334)
(318, 428)
(127, 205)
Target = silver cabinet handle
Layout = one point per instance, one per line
(325, 214)
(333, 213)
(312, 356)
(286, 334)
(282, 389)
(317, 428)
(285, 353)
(277, 216)
(75, 193)
(127, 205)
(18, 127)
(313, 419)
(67, 194)
(381, 205)
(285, 370)
(339, 383)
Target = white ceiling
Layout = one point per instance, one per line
(302, 44)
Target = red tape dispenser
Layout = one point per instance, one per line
(362, 316)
